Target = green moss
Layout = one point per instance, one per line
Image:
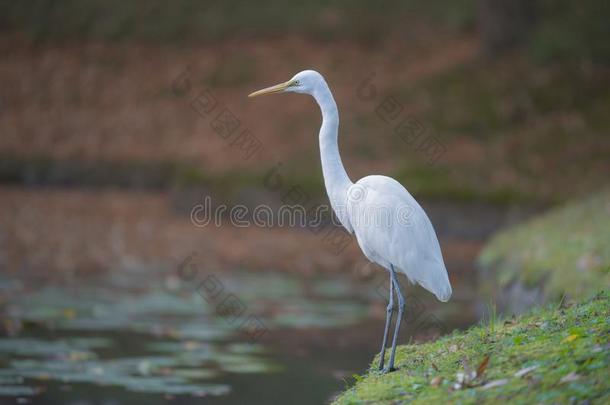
(567, 348)
(438, 182)
(570, 30)
(566, 251)
(483, 101)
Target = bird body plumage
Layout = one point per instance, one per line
(392, 229)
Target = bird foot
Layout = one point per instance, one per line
(387, 370)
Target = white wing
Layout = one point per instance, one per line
(393, 229)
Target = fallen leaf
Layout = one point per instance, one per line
(495, 383)
(436, 381)
(569, 378)
(525, 371)
(571, 338)
(483, 365)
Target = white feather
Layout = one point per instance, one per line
(393, 229)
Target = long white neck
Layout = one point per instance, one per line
(335, 178)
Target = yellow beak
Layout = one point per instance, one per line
(273, 89)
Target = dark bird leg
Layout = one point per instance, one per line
(388, 321)
(401, 310)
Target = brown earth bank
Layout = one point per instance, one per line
(100, 101)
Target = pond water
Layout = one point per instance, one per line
(147, 335)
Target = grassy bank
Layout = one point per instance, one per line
(553, 355)
(566, 251)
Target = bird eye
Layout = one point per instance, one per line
(296, 83)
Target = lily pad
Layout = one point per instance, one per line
(17, 391)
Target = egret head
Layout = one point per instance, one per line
(305, 82)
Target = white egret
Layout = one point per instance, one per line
(392, 229)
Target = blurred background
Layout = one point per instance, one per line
(118, 118)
